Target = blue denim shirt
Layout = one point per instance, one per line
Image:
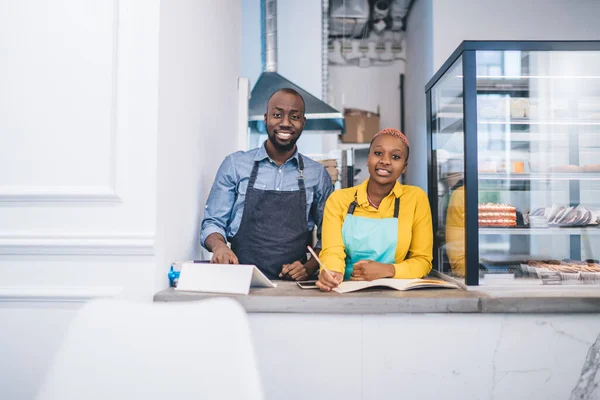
(225, 204)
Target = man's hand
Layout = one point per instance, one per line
(295, 271)
(223, 255)
(367, 270)
(329, 281)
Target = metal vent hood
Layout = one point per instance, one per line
(319, 115)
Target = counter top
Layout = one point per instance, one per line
(287, 297)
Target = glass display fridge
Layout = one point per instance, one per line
(514, 162)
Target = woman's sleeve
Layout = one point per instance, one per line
(420, 252)
(455, 232)
(333, 253)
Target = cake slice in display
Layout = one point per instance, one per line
(491, 214)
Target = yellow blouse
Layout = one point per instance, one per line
(455, 232)
(415, 233)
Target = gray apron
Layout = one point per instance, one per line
(274, 230)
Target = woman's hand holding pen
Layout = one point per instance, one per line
(367, 270)
(329, 280)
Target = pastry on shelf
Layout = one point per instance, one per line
(536, 263)
(594, 267)
(487, 167)
(497, 215)
(519, 108)
(567, 216)
(591, 168)
(566, 168)
(568, 270)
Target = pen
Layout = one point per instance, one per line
(319, 261)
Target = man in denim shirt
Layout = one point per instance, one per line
(267, 201)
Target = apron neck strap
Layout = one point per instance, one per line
(253, 174)
(354, 204)
(301, 170)
(301, 185)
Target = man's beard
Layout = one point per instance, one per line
(282, 147)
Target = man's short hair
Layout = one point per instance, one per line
(289, 91)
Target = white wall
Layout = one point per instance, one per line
(78, 159)
(298, 51)
(199, 67)
(419, 68)
(77, 136)
(78, 139)
(112, 119)
(510, 20)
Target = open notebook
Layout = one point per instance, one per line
(398, 284)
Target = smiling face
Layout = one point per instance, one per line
(387, 159)
(285, 120)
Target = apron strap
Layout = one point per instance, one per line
(396, 206)
(253, 175)
(353, 205)
(302, 187)
(301, 170)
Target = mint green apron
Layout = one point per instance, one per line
(372, 239)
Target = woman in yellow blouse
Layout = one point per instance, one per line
(455, 231)
(380, 228)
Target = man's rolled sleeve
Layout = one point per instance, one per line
(324, 189)
(208, 230)
(219, 205)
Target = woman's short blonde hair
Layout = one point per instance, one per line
(396, 133)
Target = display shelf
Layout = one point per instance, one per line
(542, 176)
(551, 230)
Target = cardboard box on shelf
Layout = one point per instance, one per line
(330, 165)
(361, 126)
(330, 162)
(333, 173)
